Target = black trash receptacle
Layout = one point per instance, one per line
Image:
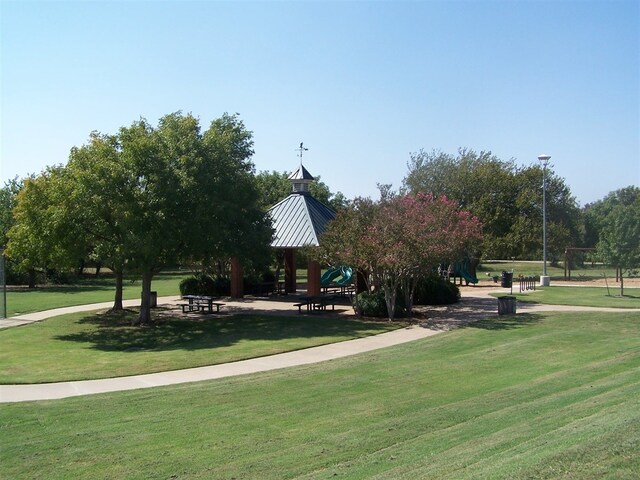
(153, 299)
(506, 280)
(506, 305)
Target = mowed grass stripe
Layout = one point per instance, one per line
(506, 429)
(452, 406)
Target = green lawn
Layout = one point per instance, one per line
(92, 290)
(580, 296)
(526, 397)
(97, 345)
(488, 269)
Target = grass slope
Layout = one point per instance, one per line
(532, 396)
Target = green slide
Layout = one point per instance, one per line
(330, 275)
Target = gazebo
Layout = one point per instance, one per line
(298, 221)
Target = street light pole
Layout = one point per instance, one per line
(544, 279)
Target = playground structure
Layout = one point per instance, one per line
(464, 270)
(338, 277)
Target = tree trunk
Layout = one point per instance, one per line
(32, 278)
(117, 302)
(621, 283)
(390, 288)
(409, 285)
(145, 306)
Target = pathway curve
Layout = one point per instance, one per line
(476, 304)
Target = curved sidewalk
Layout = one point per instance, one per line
(474, 305)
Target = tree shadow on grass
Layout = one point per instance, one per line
(112, 331)
(507, 322)
(474, 312)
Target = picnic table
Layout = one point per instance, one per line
(318, 303)
(200, 303)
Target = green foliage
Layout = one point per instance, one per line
(507, 200)
(371, 304)
(203, 284)
(617, 221)
(430, 290)
(8, 198)
(146, 198)
(433, 290)
(396, 240)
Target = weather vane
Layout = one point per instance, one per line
(301, 149)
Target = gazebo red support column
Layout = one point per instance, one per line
(237, 284)
(290, 270)
(313, 278)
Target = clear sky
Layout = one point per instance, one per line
(362, 83)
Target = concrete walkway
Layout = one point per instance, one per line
(476, 304)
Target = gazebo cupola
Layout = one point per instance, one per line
(301, 179)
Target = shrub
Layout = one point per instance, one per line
(189, 286)
(202, 284)
(374, 305)
(433, 290)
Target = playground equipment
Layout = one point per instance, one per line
(461, 269)
(340, 276)
(329, 276)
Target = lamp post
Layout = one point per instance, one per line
(544, 279)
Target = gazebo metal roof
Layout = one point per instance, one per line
(299, 219)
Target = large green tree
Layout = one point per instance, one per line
(615, 222)
(8, 197)
(505, 197)
(39, 238)
(146, 198)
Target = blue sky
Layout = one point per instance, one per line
(363, 84)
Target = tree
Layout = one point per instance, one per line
(40, 238)
(507, 199)
(95, 203)
(398, 240)
(8, 197)
(433, 230)
(618, 216)
(146, 198)
(191, 195)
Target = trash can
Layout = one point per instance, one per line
(506, 280)
(153, 299)
(506, 305)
